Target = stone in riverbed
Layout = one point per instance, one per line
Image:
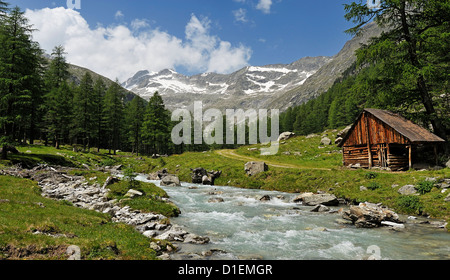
(369, 215)
(170, 181)
(320, 208)
(324, 199)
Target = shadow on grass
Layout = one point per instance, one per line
(29, 161)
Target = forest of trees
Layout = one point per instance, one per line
(38, 101)
(405, 70)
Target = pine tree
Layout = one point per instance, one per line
(20, 79)
(113, 116)
(134, 118)
(58, 118)
(58, 70)
(412, 51)
(3, 9)
(155, 129)
(84, 109)
(98, 104)
(58, 100)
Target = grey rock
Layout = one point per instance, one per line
(195, 239)
(133, 193)
(216, 200)
(447, 199)
(253, 168)
(324, 199)
(325, 141)
(285, 136)
(369, 215)
(150, 233)
(171, 181)
(408, 190)
(300, 197)
(392, 224)
(320, 208)
(338, 140)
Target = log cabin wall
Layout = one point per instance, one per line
(391, 139)
(377, 133)
(388, 147)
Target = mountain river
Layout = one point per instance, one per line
(243, 227)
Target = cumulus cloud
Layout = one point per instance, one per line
(264, 6)
(120, 51)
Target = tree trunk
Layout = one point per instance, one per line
(4, 152)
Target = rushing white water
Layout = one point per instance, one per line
(245, 227)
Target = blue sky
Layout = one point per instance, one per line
(240, 32)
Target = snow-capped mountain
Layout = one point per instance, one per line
(249, 82)
(277, 86)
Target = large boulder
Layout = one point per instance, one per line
(170, 181)
(311, 199)
(369, 215)
(253, 168)
(201, 176)
(407, 190)
(285, 136)
(325, 141)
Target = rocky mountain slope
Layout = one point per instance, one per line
(249, 83)
(325, 77)
(273, 86)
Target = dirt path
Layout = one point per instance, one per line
(233, 155)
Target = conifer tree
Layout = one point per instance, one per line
(84, 109)
(20, 78)
(135, 117)
(412, 51)
(98, 104)
(155, 129)
(113, 116)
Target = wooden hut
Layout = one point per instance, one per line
(381, 138)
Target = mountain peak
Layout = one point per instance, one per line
(250, 81)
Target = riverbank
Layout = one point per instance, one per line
(302, 165)
(57, 213)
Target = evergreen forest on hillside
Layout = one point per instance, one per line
(405, 70)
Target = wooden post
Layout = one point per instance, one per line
(388, 153)
(410, 156)
(368, 142)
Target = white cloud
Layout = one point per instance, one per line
(120, 51)
(119, 15)
(264, 6)
(240, 15)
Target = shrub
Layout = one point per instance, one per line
(108, 162)
(373, 186)
(371, 175)
(425, 187)
(410, 204)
